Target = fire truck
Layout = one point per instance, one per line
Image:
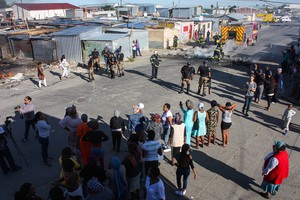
(243, 34)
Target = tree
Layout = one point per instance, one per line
(3, 4)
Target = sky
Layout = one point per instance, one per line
(164, 3)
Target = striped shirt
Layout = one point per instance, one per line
(151, 147)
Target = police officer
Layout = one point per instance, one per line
(5, 155)
(95, 59)
(175, 42)
(120, 62)
(205, 75)
(155, 61)
(112, 61)
(186, 77)
(105, 54)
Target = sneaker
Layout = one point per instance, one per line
(285, 132)
(178, 192)
(183, 192)
(167, 150)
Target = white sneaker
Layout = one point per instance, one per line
(167, 150)
(183, 192)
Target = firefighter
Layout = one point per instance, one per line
(217, 54)
(187, 76)
(201, 41)
(221, 49)
(216, 38)
(175, 42)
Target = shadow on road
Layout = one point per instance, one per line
(224, 170)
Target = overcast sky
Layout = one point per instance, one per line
(165, 3)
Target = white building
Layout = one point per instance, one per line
(41, 10)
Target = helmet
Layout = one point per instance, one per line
(188, 63)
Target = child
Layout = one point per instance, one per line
(287, 118)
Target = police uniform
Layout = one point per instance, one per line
(186, 78)
(204, 78)
(112, 61)
(120, 63)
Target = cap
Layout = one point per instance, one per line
(1, 130)
(278, 144)
(200, 105)
(156, 116)
(140, 106)
(94, 185)
(188, 63)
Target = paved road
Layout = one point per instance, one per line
(232, 172)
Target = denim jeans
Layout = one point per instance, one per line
(247, 104)
(185, 172)
(106, 63)
(167, 131)
(44, 142)
(259, 92)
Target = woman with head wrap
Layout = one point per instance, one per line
(179, 134)
(275, 169)
(188, 119)
(116, 127)
(96, 190)
(116, 175)
(200, 118)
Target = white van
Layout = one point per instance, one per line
(285, 19)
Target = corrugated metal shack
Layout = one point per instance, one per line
(43, 48)
(134, 34)
(68, 41)
(100, 41)
(21, 46)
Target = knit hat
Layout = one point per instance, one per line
(94, 185)
(278, 144)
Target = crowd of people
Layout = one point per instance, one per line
(83, 173)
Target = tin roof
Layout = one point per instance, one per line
(103, 37)
(237, 16)
(46, 6)
(77, 30)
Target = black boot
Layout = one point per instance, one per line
(188, 89)
(181, 90)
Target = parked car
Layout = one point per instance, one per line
(285, 19)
